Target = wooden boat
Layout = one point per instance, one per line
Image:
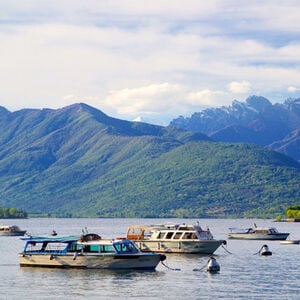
(88, 251)
(11, 230)
(257, 233)
(171, 238)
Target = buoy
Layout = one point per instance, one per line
(212, 265)
(264, 251)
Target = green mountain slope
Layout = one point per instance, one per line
(77, 161)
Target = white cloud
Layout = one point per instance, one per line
(242, 87)
(292, 89)
(137, 60)
(149, 99)
(205, 97)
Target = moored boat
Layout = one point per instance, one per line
(257, 233)
(11, 230)
(290, 242)
(183, 238)
(88, 251)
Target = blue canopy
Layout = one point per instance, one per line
(56, 239)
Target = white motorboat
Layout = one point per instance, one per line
(11, 230)
(89, 251)
(183, 238)
(290, 242)
(257, 233)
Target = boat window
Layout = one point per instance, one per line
(107, 248)
(74, 247)
(161, 235)
(126, 248)
(177, 235)
(92, 248)
(135, 231)
(187, 235)
(273, 230)
(46, 247)
(169, 235)
(34, 247)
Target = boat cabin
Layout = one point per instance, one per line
(84, 244)
(168, 232)
(9, 228)
(48, 245)
(123, 246)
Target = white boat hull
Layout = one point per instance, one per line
(98, 261)
(173, 246)
(254, 236)
(17, 233)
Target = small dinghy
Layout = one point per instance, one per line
(290, 242)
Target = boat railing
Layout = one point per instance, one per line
(45, 252)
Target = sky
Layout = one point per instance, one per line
(147, 60)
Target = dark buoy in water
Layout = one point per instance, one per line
(264, 251)
(54, 233)
(212, 265)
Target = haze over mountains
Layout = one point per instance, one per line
(257, 120)
(77, 161)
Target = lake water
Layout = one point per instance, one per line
(243, 274)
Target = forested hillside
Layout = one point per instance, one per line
(77, 161)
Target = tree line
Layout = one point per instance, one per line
(293, 212)
(12, 213)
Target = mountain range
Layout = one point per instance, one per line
(257, 120)
(77, 161)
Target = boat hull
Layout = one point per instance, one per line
(254, 236)
(138, 262)
(290, 242)
(18, 233)
(195, 247)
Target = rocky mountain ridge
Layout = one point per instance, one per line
(257, 120)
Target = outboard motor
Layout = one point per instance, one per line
(264, 251)
(212, 265)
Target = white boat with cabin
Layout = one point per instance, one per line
(170, 238)
(257, 233)
(11, 230)
(89, 251)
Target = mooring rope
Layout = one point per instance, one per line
(200, 268)
(259, 250)
(173, 269)
(226, 250)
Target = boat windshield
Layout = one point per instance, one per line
(273, 230)
(46, 247)
(126, 247)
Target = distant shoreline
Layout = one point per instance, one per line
(289, 220)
